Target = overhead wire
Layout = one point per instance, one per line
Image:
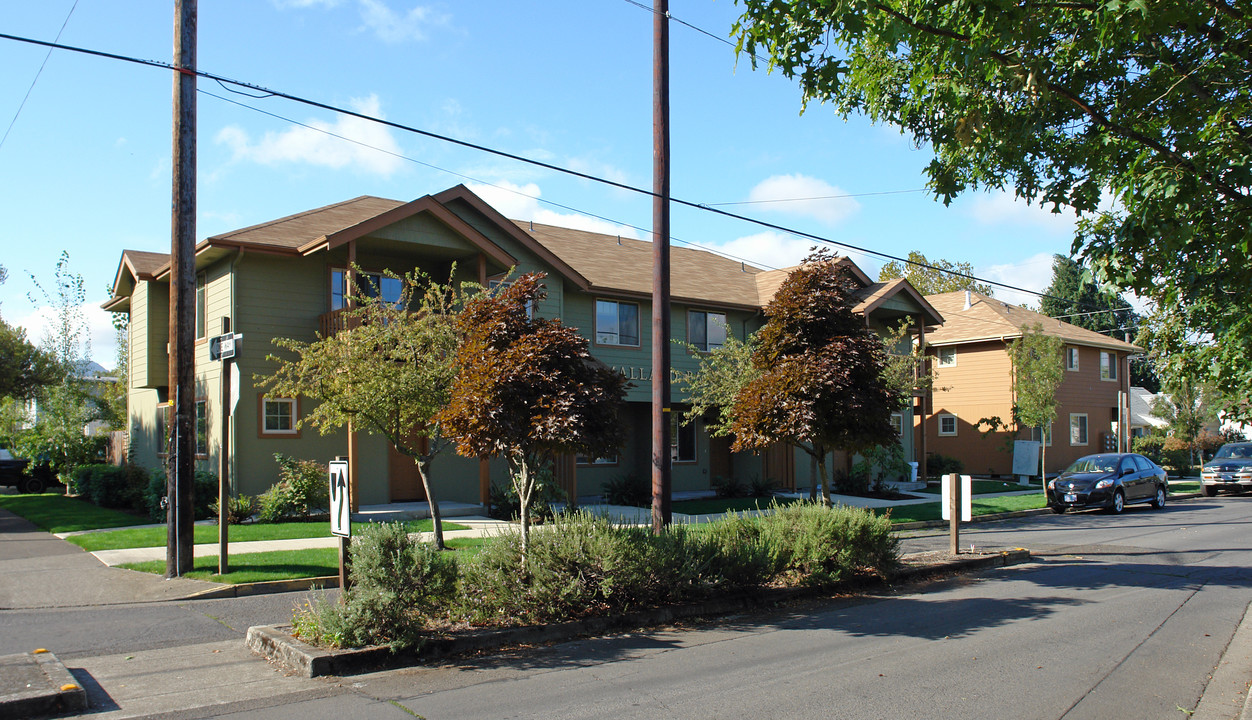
(268, 92)
(38, 72)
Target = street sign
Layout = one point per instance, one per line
(222, 347)
(340, 510)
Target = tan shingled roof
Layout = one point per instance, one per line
(617, 264)
(144, 263)
(296, 231)
(992, 319)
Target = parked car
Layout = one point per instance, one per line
(14, 473)
(1230, 469)
(1110, 481)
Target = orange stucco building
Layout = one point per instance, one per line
(974, 383)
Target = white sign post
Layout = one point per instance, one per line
(340, 515)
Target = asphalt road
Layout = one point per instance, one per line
(1120, 617)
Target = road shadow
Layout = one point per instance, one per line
(98, 699)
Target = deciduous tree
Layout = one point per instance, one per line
(932, 277)
(1134, 114)
(1038, 371)
(820, 385)
(389, 374)
(528, 389)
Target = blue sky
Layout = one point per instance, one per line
(86, 165)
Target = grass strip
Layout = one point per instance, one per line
(714, 506)
(989, 506)
(57, 514)
(1184, 486)
(982, 487)
(155, 536)
(280, 565)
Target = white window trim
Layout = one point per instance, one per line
(954, 425)
(1071, 353)
(1086, 430)
(295, 417)
(947, 363)
(897, 420)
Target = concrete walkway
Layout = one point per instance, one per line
(479, 526)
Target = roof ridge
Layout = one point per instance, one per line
(294, 216)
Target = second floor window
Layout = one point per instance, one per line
(947, 357)
(617, 323)
(368, 284)
(1108, 366)
(200, 305)
(706, 330)
(1071, 358)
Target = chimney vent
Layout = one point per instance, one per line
(968, 304)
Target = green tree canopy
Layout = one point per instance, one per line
(527, 388)
(821, 383)
(24, 368)
(932, 277)
(389, 374)
(1134, 114)
(1038, 371)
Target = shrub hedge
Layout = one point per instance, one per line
(583, 565)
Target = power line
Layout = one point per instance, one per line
(817, 197)
(267, 92)
(36, 78)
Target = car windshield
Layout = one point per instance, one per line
(1093, 464)
(1241, 452)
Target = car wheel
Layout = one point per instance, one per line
(31, 484)
(1159, 501)
(1058, 509)
(1119, 503)
(1210, 490)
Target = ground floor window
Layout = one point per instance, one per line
(585, 460)
(1078, 429)
(682, 441)
(202, 427)
(897, 422)
(1042, 434)
(278, 417)
(947, 424)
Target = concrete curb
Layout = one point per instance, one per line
(47, 687)
(277, 643)
(265, 588)
(1227, 694)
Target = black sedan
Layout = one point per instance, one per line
(1110, 481)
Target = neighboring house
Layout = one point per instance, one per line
(974, 381)
(286, 278)
(94, 378)
(1142, 421)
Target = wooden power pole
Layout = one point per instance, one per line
(661, 468)
(179, 513)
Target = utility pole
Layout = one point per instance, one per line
(661, 411)
(179, 514)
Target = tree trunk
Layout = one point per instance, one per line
(523, 483)
(422, 462)
(820, 452)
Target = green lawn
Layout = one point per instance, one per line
(283, 565)
(155, 536)
(713, 506)
(1184, 486)
(57, 514)
(930, 511)
(981, 487)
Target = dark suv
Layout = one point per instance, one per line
(1230, 469)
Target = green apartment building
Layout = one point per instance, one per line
(286, 278)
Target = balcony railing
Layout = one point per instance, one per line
(336, 321)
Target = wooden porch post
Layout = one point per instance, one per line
(354, 496)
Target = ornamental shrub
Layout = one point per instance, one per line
(112, 486)
(204, 494)
(302, 491)
(814, 545)
(627, 489)
(1149, 446)
(397, 583)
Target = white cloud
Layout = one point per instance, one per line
(521, 202)
(1034, 273)
(378, 17)
(100, 332)
(767, 250)
(1003, 208)
(368, 147)
(827, 204)
(394, 27)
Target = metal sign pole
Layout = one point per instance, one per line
(223, 468)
